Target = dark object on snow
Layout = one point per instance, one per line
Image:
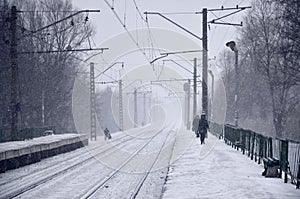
(107, 135)
(202, 129)
(196, 125)
(271, 166)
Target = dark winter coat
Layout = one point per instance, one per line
(203, 125)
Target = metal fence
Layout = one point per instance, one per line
(257, 147)
(216, 129)
(24, 134)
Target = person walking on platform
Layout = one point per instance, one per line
(107, 134)
(202, 129)
(196, 125)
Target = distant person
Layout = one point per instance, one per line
(202, 129)
(106, 134)
(196, 125)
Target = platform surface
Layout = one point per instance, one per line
(16, 148)
(215, 170)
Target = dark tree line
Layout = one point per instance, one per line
(269, 69)
(46, 79)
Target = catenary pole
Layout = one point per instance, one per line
(135, 108)
(195, 89)
(188, 104)
(92, 102)
(204, 59)
(121, 105)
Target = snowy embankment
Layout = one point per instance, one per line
(215, 170)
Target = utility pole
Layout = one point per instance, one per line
(92, 101)
(144, 122)
(121, 105)
(121, 127)
(204, 59)
(15, 104)
(195, 89)
(93, 105)
(135, 108)
(204, 42)
(187, 91)
(188, 104)
(135, 104)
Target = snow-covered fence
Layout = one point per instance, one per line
(258, 146)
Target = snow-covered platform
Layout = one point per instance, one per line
(20, 153)
(215, 170)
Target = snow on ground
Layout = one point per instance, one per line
(215, 170)
(15, 145)
(80, 179)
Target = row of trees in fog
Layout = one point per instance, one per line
(45, 79)
(269, 58)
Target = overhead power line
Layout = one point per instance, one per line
(128, 32)
(67, 50)
(205, 23)
(68, 17)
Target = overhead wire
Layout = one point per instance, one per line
(179, 13)
(46, 11)
(150, 38)
(54, 46)
(128, 32)
(138, 10)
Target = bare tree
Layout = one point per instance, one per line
(263, 38)
(47, 78)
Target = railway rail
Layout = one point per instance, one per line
(23, 184)
(102, 184)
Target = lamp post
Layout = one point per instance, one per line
(233, 47)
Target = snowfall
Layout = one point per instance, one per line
(212, 170)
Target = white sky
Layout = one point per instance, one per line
(107, 24)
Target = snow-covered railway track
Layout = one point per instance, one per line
(75, 156)
(23, 184)
(138, 179)
(144, 177)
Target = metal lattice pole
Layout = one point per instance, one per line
(121, 106)
(195, 89)
(188, 104)
(92, 101)
(204, 59)
(135, 108)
